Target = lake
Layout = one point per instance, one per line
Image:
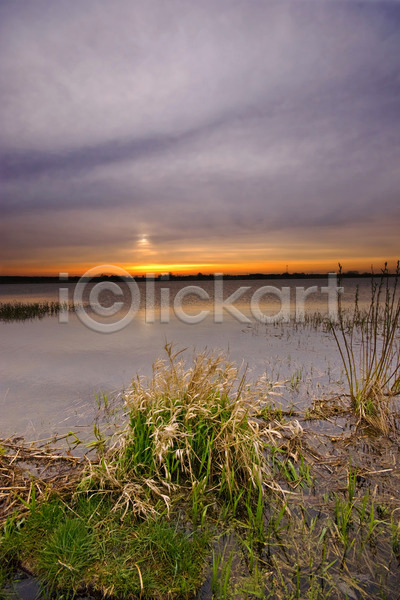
(51, 371)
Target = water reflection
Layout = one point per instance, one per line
(51, 371)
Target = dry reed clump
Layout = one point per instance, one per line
(28, 473)
(190, 430)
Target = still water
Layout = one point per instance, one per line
(50, 371)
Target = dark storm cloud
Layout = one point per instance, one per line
(191, 120)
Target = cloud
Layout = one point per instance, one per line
(79, 77)
(221, 120)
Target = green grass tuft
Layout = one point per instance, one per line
(190, 428)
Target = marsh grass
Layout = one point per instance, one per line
(85, 545)
(189, 453)
(340, 549)
(368, 344)
(22, 311)
(193, 429)
(342, 544)
(203, 480)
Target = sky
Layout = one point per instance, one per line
(222, 135)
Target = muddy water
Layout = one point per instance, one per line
(51, 371)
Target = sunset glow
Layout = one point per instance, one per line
(361, 265)
(229, 137)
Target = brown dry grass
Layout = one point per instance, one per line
(29, 472)
(188, 428)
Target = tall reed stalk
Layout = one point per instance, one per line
(368, 343)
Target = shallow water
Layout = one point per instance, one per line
(316, 301)
(51, 371)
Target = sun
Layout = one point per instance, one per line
(143, 241)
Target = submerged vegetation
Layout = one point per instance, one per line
(205, 489)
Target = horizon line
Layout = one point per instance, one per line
(166, 275)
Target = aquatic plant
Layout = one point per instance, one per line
(22, 311)
(196, 427)
(368, 344)
(203, 483)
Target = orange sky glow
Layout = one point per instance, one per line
(311, 266)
